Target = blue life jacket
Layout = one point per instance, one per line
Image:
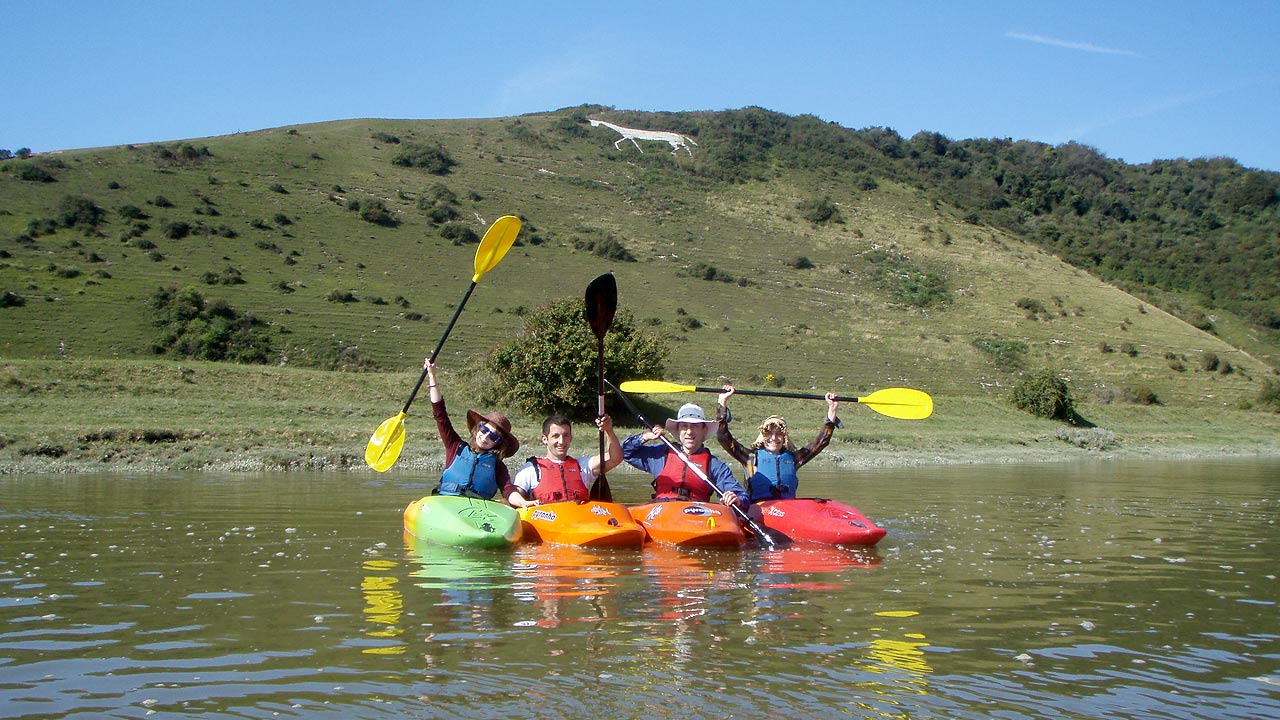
(471, 475)
(773, 476)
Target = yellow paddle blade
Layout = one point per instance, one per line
(901, 403)
(651, 387)
(384, 447)
(495, 244)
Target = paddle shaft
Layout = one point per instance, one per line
(771, 393)
(601, 303)
(688, 461)
(439, 345)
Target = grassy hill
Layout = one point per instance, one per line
(903, 288)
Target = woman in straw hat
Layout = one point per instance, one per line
(772, 460)
(474, 467)
(673, 479)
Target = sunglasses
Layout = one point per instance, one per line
(494, 436)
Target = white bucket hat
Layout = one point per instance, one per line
(689, 413)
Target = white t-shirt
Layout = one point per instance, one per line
(527, 478)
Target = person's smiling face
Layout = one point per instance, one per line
(487, 436)
(557, 441)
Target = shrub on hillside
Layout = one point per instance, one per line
(1045, 394)
(550, 365)
(460, 233)
(9, 299)
(432, 158)
(1269, 396)
(377, 213)
(213, 330)
(79, 211)
(1008, 355)
(820, 211)
(608, 248)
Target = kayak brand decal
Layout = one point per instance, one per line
(543, 515)
(699, 510)
(480, 517)
(655, 512)
(771, 510)
(599, 510)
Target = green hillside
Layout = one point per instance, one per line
(822, 257)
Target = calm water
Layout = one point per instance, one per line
(1092, 590)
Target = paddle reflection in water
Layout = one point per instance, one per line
(384, 605)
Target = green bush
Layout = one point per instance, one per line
(213, 330)
(1009, 355)
(378, 214)
(820, 211)
(432, 158)
(608, 248)
(1269, 396)
(550, 366)
(1045, 394)
(460, 233)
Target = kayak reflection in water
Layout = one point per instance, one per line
(772, 460)
(473, 468)
(557, 477)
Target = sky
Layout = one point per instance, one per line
(1134, 79)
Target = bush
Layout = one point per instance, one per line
(378, 214)
(1209, 362)
(1009, 355)
(9, 299)
(550, 366)
(1139, 395)
(79, 211)
(432, 158)
(459, 233)
(1045, 395)
(820, 211)
(341, 296)
(1269, 396)
(175, 230)
(1087, 438)
(801, 263)
(194, 328)
(608, 248)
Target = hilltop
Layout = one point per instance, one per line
(824, 258)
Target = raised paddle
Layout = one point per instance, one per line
(901, 403)
(760, 532)
(602, 304)
(384, 447)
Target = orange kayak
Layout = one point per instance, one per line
(587, 524)
(819, 521)
(690, 524)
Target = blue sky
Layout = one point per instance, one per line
(1136, 80)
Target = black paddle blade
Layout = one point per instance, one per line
(602, 303)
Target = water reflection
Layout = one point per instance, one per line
(1082, 591)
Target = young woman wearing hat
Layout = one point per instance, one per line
(772, 460)
(672, 477)
(473, 467)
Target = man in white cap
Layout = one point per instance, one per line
(673, 478)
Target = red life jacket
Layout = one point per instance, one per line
(678, 482)
(558, 482)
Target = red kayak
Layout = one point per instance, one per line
(690, 524)
(819, 521)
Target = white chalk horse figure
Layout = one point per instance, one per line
(676, 140)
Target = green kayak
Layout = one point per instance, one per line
(462, 521)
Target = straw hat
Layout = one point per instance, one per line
(510, 443)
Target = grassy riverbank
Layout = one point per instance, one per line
(155, 416)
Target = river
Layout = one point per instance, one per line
(1085, 590)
